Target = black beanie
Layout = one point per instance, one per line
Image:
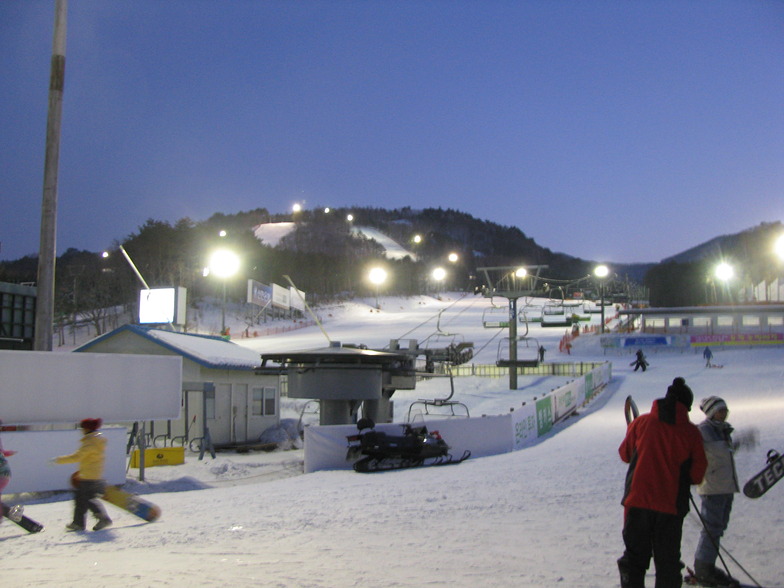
(681, 392)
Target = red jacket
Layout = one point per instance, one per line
(665, 455)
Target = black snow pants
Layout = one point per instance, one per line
(645, 533)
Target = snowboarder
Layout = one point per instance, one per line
(665, 454)
(640, 362)
(718, 488)
(5, 478)
(90, 457)
(708, 355)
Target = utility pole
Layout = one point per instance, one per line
(47, 253)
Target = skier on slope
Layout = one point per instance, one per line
(640, 362)
(708, 355)
(90, 457)
(665, 454)
(717, 489)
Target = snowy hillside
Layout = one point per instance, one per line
(545, 516)
(271, 234)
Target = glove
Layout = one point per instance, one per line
(746, 439)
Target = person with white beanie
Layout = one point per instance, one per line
(717, 489)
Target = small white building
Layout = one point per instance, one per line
(220, 385)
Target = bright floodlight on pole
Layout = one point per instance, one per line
(601, 272)
(778, 247)
(724, 272)
(453, 257)
(224, 264)
(438, 275)
(377, 276)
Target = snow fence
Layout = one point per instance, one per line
(325, 446)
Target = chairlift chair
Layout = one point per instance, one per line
(447, 402)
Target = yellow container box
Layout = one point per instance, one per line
(159, 457)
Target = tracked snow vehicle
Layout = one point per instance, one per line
(376, 451)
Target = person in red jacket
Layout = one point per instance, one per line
(665, 455)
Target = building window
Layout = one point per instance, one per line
(263, 403)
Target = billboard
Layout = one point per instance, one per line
(259, 294)
(162, 306)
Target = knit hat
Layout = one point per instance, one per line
(91, 425)
(711, 405)
(681, 392)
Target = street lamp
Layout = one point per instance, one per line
(601, 272)
(377, 276)
(224, 264)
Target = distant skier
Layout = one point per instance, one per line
(640, 362)
(708, 355)
(90, 457)
(541, 353)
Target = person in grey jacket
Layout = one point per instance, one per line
(717, 489)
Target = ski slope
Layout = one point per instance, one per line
(545, 516)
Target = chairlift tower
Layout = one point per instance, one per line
(512, 283)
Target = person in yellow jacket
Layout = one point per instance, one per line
(90, 457)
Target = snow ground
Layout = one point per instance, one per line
(544, 516)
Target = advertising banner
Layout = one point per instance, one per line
(738, 339)
(544, 415)
(524, 426)
(281, 297)
(297, 299)
(259, 294)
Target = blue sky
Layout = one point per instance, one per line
(616, 131)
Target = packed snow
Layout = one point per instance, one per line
(544, 516)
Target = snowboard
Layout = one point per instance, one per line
(26, 523)
(132, 503)
(630, 410)
(765, 479)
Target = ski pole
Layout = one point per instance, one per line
(719, 547)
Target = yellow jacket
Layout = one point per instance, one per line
(90, 456)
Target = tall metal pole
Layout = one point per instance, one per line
(512, 343)
(47, 253)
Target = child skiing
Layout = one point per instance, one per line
(90, 457)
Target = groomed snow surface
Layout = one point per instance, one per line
(545, 516)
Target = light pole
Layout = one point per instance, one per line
(377, 276)
(224, 264)
(601, 272)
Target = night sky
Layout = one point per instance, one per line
(616, 131)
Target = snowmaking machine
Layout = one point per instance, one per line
(376, 451)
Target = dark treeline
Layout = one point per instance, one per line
(324, 258)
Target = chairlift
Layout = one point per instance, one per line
(495, 317)
(446, 403)
(527, 353)
(554, 315)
